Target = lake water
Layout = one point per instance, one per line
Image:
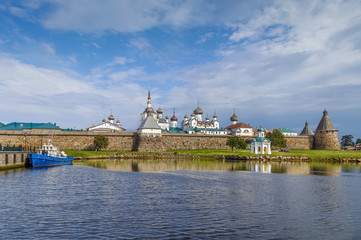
(112, 199)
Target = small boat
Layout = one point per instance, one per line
(49, 155)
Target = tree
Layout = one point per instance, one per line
(100, 142)
(346, 140)
(358, 141)
(277, 139)
(241, 144)
(232, 142)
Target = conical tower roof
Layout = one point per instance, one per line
(306, 131)
(325, 123)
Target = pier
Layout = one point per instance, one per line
(9, 159)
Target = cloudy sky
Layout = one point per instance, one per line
(277, 63)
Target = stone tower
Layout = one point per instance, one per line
(326, 136)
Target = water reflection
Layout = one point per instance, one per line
(303, 168)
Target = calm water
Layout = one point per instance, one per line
(182, 199)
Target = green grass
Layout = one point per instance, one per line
(313, 154)
(84, 153)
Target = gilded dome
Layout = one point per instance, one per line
(111, 117)
(160, 111)
(234, 118)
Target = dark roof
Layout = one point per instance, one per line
(239, 125)
(198, 110)
(162, 120)
(325, 123)
(306, 130)
(174, 118)
(22, 125)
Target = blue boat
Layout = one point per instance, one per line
(49, 155)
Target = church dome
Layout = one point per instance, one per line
(111, 117)
(160, 111)
(260, 129)
(174, 118)
(186, 116)
(198, 110)
(118, 121)
(234, 118)
(215, 115)
(149, 111)
(104, 120)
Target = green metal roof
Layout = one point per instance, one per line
(286, 130)
(205, 129)
(261, 139)
(22, 125)
(175, 130)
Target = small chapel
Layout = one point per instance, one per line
(261, 144)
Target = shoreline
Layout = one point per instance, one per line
(236, 158)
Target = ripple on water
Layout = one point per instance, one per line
(79, 202)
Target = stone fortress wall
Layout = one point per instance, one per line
(130, 141)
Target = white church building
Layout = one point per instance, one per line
(261, 144)
(107, 126)
(196, 124)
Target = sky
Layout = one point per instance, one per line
(274, 63)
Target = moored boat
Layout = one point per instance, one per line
(49, 155)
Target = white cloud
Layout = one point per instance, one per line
(119, 60)
(205, 37)
(140, 43)
(135, 16)
(49, 48)
(73, 59)
(96, 45)
(19, 12)
(40, 94)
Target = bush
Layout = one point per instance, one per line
(101, 142)
(236, 142)
(277, 139)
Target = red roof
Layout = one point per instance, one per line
(239, 125)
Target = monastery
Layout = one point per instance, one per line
(194, 133)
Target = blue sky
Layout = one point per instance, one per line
(277, 63)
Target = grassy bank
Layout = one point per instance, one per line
(84, 154)
(312, 154)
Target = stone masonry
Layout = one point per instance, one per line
(129, 141)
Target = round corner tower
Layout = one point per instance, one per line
(326, 136)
